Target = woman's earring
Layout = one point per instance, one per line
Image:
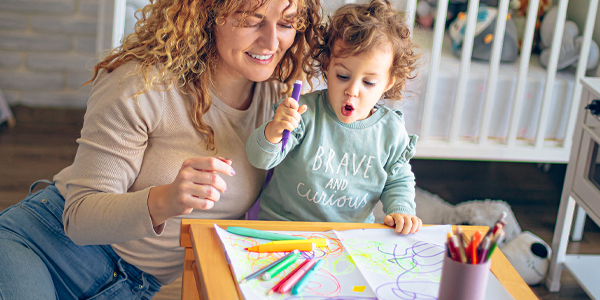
(220, 21)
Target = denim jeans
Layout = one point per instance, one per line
(38, 261)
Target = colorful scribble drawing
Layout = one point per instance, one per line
(396, 267)
(358, 265)
(334, 281)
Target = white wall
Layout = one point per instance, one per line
(47, 50)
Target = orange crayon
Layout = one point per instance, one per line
(282, 247)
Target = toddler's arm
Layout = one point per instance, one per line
(263, 147)
(398, 195)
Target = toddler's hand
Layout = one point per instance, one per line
(405, 223)
(287, 117)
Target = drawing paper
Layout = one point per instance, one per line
(359, 264)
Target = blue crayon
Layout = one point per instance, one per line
(297, 289)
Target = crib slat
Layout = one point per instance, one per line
(517, 107)
(118, 22)
(101, 25)
(434, 66)
(581, 66)
(411, 10)
(551, 73)
(490, 89)
(463, 73)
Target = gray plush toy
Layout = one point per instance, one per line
(570, 48)
(484, 35)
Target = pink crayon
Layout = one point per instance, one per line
(289, 284)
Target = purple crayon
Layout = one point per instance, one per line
(296, 96)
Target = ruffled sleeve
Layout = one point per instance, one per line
(398, 195)
(406, 155)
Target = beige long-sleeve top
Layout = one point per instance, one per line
(129, 145)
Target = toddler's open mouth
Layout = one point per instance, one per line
(347, 110)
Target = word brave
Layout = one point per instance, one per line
(343, 164)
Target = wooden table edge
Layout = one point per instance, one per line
(501, 267)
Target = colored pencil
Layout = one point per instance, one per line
(497, 239)
(267, 267)
(461, 247)
(484, 249)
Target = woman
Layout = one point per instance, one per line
(163, 138)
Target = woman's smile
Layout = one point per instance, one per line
(264, 59)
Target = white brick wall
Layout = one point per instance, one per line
(47, 50)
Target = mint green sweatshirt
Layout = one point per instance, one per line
(336, 172)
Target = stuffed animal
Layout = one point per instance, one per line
(434, 210)
(519, 9)
(570, 48)
(529, 255)
(484, 35)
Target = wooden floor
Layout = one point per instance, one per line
(43, 142)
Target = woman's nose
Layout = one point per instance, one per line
(268, 38)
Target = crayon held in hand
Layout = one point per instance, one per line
(296, 95)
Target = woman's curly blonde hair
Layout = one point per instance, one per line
(362, 28)
(175, 37)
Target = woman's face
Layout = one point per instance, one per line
(253, 51)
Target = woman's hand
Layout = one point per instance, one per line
(405, 223)
(287, 117)
(198, 185)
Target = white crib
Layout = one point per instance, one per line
(491, 111)
(462, 109)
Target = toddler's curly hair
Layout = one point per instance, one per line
(362, 28)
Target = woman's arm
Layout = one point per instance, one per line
(100, 208)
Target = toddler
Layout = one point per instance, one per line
(344, 151)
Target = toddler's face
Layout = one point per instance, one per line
(356, 83)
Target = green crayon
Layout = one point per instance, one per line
(272, 272)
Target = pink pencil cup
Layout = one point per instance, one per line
(463, 281)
